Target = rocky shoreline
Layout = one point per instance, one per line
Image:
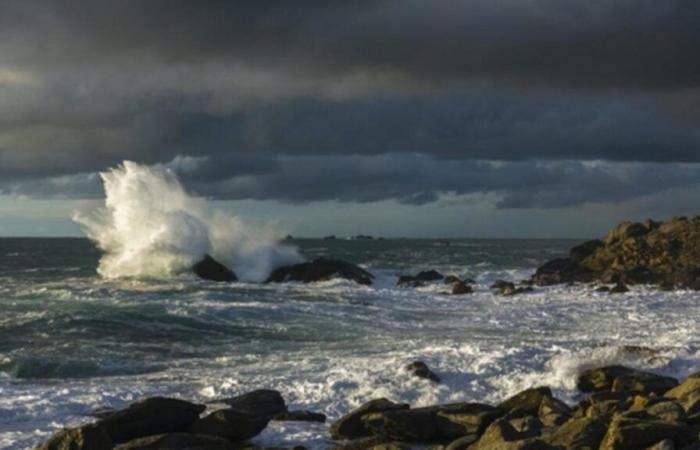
(622, 408)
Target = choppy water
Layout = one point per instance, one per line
(70, 341)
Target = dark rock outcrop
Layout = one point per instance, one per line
(230, 424)
(261, 402)
(350, 426)
(421, 370)
(624, 379)
(88, 437)
(179, 441)
(420, 279)
(210, 269)
(155, 415)
(461, 288)
(666, 254)
(320, 269)
(299, 416)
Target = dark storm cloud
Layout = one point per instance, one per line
(354, 101)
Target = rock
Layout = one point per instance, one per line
(600, 378)
(627, 433)
(619, 288)
(662, 409)
(155, 415)
(178, 441)
(321, 269)
(451, 279)
(411, 425)
(468, 419)
(602, 289)
(261, 402)
(102, 412)
(687, 394)
(392, 446)
(420, 279)
(210, 269)
(350, 426)
(501, 435)
(88, 437)
(461, 288)
(462, 443)
(367, 443)
(553, 412)
(230, 424)
(421, 370)
(579, 433)
(507, 288)
(639, 381)
(299, 416)
(527, 401)
(666, 444)
(603, 403)
(329, 238)
(663, 254)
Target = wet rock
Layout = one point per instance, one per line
(601, 378)
(639, 381)
(501, 435)
(155, 415)
(230, 424)
(411, 425)
(666, 444)
(658, 408)
(562, 270)
(602, 289)
(451, 279)
(88, 437)
(102, 412)
(603, 403)
(507, 288)
(210, 269)
(461, 288)
(468, 419)
(261, 402)
(366, 443)
(619, 288)
(178, 441)
(527, 401)
(299, 416)
(579, 433)
(462, 443)
(421, 279)
(687, 394)
(321, 269)
(421, 370)
(553, 412)
(350, 426)
(627, 433)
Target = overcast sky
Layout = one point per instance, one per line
(479, 118)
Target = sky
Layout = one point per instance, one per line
(469, 118)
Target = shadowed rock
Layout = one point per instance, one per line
(88, 437)
(321, 269)
(420, 279)
(421, 370)
(179, 441)
(261, 402)
(299, 416)
(350, 426)
(230, 424)
(210, 269)
(461, 288)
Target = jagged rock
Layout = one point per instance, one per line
(210, 269)
(625, 433)
(462, 443)
(230, 424)
(321, 269)
(299, 416)
(687, 394)
(412, 425)
(88, 437)
(350, 426)
(659, 408)
(633, 253)
(261, 402)
(603, 403)
(178, 441)
(527, 401)
(601, 378)
(553, 412)
(579, 433)
(639, 381)
(467, 419)
(461, 288)
(421, 370)
(501, 435)
(155, 415)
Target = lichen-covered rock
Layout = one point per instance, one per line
(155, 415)
(633, 253)
(647, 382)
(625, 433)
(527, 401)
(604, 403)
(321, 269)
(350, 426)
(687, 394)
(178, 441)
(421, 370)
(88, 437)
(469, 419)
(462, 443)
(579, 433)
(410, 425)
(501, 435)
(601, 378)
(230, 424)
(553, 412)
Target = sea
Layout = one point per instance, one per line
(73, 340)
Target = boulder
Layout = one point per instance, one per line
(639, 381)
(603, 403)
(666, 444)
(527, 401)
(320, 269)
(553, 412)
(619, 288)
(468, 419)
(462, 443)
(461, 288)
(350, 426)
(299, 416)
(601, 378)
(366, 443)
(155, 415)
(178, 441)
(230, 424)
(411, 425)
(261, 402)
(210, 269)
(625, 433)
(451, 279)
(421, 370)
(579, 433)
(501, 435)
(420, 279)
(508, 288)
(88, 437)
(687, 394)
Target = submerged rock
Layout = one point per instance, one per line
(210, 269)
(420, 279)
(321, 269)
(664, 254)
(421, 370)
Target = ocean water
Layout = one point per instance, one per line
(71, 341)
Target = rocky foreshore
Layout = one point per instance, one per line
(621, 408)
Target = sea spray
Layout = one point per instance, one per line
(151, 227)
